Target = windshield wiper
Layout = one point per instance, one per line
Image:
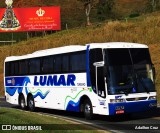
(125, 89)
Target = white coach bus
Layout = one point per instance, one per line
(100, 78)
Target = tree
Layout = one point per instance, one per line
(88, 5)
(153, 5)
(105, 9)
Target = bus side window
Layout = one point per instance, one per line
(23, 67)
(57, 64)
(14, 68)
(65, 63)
(78, 62)
(34, 67)
(47, 65)
(7, 69)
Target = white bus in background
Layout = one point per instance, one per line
(100, 78)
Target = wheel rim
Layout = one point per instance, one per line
(87, 109)
(22, 103)
(31, 103)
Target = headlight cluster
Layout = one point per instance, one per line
(116, 100)
(152, 98)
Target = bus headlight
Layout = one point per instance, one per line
(152, 98)
(116, 100)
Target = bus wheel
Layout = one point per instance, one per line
(88, 111)
(30, 103)
(22, 102)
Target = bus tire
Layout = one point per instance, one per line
(30, 103)
(88, 110)
(22, 103)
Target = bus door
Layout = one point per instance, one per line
(102, 105)
(100, 79)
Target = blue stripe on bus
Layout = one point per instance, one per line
(20, 83)
(23, 81)
(73, 106)
(11, 91)
(14, 81)
(132, 107)
(87, 66)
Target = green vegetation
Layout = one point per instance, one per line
(15, 116)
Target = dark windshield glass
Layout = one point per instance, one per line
(128, 71)
(140, 56)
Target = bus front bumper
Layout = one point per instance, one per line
(131, 107)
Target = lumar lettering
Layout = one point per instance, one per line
(71, 79)
(63, 80)
(52, 80)
(43, 80)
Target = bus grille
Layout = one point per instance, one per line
(136, 99)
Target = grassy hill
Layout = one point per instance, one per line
(144, 29)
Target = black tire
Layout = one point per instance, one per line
(22, 103)
(30, 103)
(88, 110)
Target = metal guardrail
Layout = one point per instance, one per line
(7, 41)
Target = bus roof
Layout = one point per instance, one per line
(74, 48)
(46, 52)
(117, 45)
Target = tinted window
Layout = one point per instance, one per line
(23, 67)
(14, 68)
(65, 63)
(47, 64)
(95, 55)
(57, 64)
(34, 66)
(62, 63)
(140, 56)
(7, 69)
(118, 57)
(78, 62)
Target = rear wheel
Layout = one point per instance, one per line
(22, 102)
(30, 103)
(88, 110)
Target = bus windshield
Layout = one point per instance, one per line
(129, 71)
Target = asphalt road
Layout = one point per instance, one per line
(139, 122)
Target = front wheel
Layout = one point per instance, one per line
(30, 103)
(88, 110)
